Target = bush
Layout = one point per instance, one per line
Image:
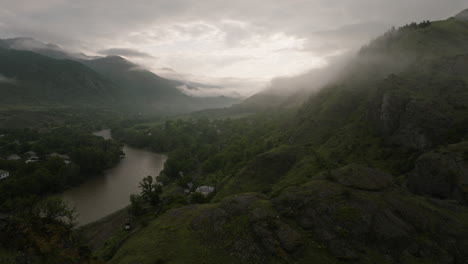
(136, 205)
(197, 198)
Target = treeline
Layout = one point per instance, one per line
(392, 36)
(202, 151)
(35, 227)
(28, 181)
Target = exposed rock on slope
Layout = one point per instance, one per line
(352, 223)
(323, 221)
(442, 174)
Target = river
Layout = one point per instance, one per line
(109, 192)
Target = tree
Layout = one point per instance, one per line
(136, 204)
(55, 209)
(150, 190)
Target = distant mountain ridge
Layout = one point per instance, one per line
(462, 15)
(34, 73)
(39, 80)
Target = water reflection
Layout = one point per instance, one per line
(110, 192)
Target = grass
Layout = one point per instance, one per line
(169, 239)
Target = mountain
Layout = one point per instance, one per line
(30, 44)
(390, 53)
(155, 94)
(462, 15)
(371, 169)
(34, 74)
(31, 79)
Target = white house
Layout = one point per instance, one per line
(4, 174)
(205, 190)
(14, 157)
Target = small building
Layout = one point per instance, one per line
(32, 160)
(4, 174)
(205, 190)
(13, 157)
(32, 156)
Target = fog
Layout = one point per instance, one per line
(234, 47)
(4, 79)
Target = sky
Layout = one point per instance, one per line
(232, 47)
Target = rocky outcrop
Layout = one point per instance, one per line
(425, 107)
(422, 126)
(398, 225)
(442, 174)
(405, 121)
(249, 228)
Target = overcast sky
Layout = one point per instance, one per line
(239, 44)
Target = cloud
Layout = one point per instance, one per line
(4, 79)
(124, 52)
(211, 39)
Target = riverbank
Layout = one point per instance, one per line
(108, 193)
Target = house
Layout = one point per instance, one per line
(32, 156)
(4, 174)
(32, 159)
(14, 157)
(205, 190)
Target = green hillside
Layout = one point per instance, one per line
(145, 91)
(371, 169)
(49, 77)
(36, 80)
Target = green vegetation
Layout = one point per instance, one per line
(327, 184)
(203, 151)
(35, 227)
(371, 169)
(45, 81)
(39, 173)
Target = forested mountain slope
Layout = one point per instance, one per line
(371, 169)
(46, 76)
(32, 79)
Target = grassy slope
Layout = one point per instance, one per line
(331, 130)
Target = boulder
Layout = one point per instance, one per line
(352, 222)
(442, 174)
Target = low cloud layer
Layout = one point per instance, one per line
(217, 40)
(124, 52)
(4, 79)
